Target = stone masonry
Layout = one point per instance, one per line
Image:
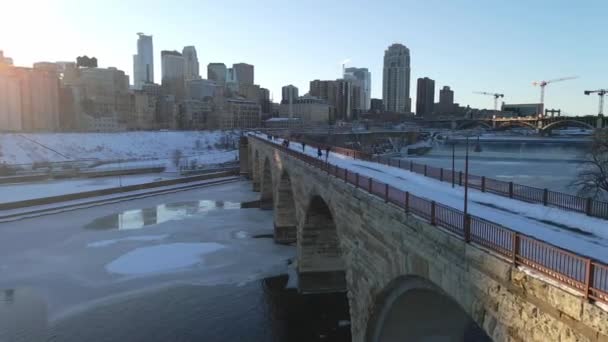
(378, 244)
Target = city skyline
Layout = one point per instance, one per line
(500, 48)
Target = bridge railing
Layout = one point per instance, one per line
(546, 197)
(576, 271)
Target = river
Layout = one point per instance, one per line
(197, 265)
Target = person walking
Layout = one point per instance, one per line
(303, 147)
(319, 153)
(327, 149)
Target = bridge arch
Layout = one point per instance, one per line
(412, 308)
(515, 123)
(473, 124)
(266, 193)
(320, 263)
(285, 219)
(565, 123)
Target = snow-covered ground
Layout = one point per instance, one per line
(73, 266)
(577, 232)
(28, 148)
(22, 191)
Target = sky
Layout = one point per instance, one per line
(493, 46)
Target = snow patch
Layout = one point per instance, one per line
(241, 234)
(161, 258)
(105, 243)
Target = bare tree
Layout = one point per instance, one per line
(592, 178)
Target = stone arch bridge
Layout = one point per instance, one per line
(405, 279)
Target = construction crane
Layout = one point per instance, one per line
(543, 84)
(496, 97)
(601, 93)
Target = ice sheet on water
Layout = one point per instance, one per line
(105, 243)
(161, 258)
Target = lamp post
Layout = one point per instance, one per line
(453, 143)
(466, 179)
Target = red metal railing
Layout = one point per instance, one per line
(576, 271)
(546, 197)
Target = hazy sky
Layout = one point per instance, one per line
(471, 45)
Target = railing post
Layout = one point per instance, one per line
(467, 228)
(369, 185)
(441, 174)
(433, 221)
(357, 180)
(510, 189)
(588, 206)
(515, 241)
(483, 183)
(588, 276)
(407, 201)
(386, 192)
(424, 170)
(545, 196)
(460, 178)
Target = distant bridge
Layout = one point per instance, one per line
(543, 124)
(406, 279)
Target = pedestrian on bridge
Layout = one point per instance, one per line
(303, 146)
(319, 152)
(327, 149)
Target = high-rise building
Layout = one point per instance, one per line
(173, 81)
(396, 79)
(243, 73)
(446, 102)
(143, 61)
(264, 101)
(217, 72)
(191, 67)
(363, 78)
(10, 98)
(425, 97)
(289, 94)
(343, 95)
(446, 96)
(5, 60)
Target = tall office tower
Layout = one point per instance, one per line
(217, 72)
(446, 96)
(143, 61)
(362, 78)
(191, 69)
(396, 79)
(173, 81)
(243, 72)
(425, 97)
(289, 92)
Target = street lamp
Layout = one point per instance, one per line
(466, 178)
(453, 143)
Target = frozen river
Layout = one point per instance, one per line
(187, 266)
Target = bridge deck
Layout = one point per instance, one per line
(577, 232)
